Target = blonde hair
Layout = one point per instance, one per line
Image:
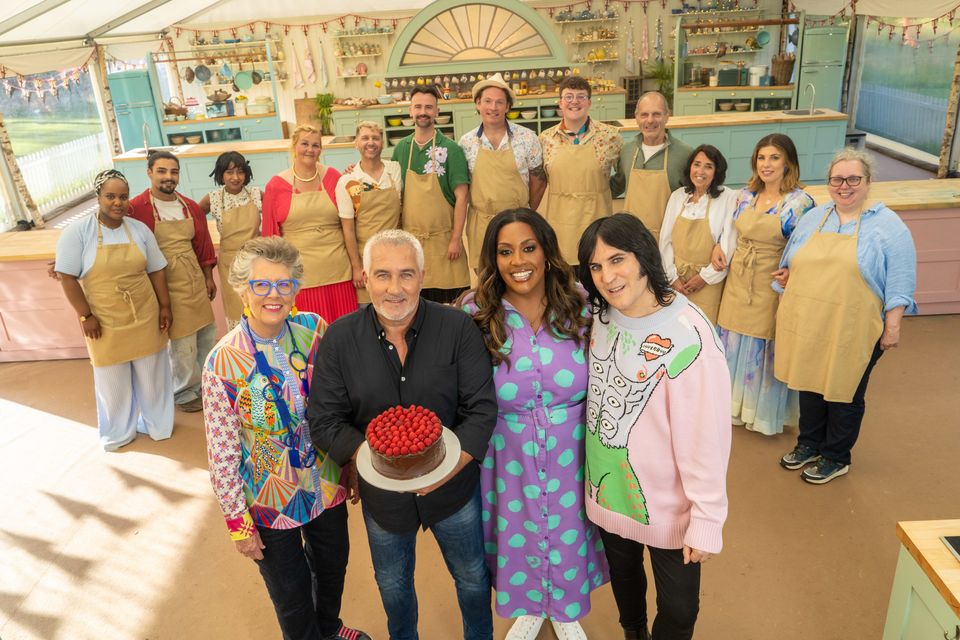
(370, 124)
(856, 155)
(298, 133)
(271, 248)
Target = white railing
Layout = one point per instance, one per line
(910, 118)
(57, 175)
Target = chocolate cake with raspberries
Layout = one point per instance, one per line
(405, 443)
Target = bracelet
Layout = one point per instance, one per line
(87, 317)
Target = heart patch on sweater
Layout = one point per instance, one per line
(654, 346)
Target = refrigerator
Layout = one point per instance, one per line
(134, 105)
(822, 62)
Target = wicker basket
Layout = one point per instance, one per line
(782, 69)
(173, 109)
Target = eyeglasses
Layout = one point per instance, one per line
(578, 97)
(853, 181)
(263, 288)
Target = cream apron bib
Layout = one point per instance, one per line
(237, 225)
(692, 245)
(826, 334)
(188, 292)
(379, 209)
(429, 217)
(120, 295)
(749, 304)
(313, 227)
(495, 186)
(648, 192)
(577, 194)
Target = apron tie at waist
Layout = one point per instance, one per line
(423, 236)
(128, 298)
(751, 251)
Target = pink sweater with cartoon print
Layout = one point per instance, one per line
(658, 428)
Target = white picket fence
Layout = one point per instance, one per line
(907, 117)
(57, 175)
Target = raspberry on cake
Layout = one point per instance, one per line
(405, 443)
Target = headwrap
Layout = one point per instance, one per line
(103, 176)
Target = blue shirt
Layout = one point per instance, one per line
(885, 251)
(77, 246)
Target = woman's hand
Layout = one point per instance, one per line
(718, 259)
(677, 285)
(211, 287)
(890, 339)
(781, 276)
(166, 319)
(91, 327)
(359, 280)
(694, 555)
(51, 270)
(251, 547)
(348, 478)
(694, 284)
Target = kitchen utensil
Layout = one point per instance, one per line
(235, 88)
(188, 75)
(394, 122)
(218, 96)
(194, 139)
(203, 73)
(226, 71)
(548, 112)
(763, 38)
(362, 69)
(177, 139)
(725, 106)
(243, 80)
(385, 99)
(256, 77)
(175, 108)
(442, 120)
(513, 115)
(408, 122)
(528, 114)
(742, 106)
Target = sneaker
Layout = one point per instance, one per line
(824, 471)
(346, 633)
(801, 455)
(525, 628)
(191, 406)
(568, 630)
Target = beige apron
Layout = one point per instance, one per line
(379, 209)
(577, 194)
(429, 217)
(188, 291)
(826, 334)
(495, 186)
(647, 193)
(122, 298)
(749, 304)
(237, 225)
(313, 227)
(692, 245)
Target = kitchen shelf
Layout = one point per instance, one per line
(375, 34)
(590, 21)
(600, 61)
(353, 76)
(723, 33)
(365, 55)
(714, 53)
(595, 41)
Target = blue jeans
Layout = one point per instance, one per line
(460, 537)
(304, 571)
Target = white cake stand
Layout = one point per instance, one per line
(452, 456)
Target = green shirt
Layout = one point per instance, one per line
(453, 170)
(679, 154)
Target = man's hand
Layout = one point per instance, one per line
(251, 547)
(465, 459)
(454, 249)
(694, 555)
(349, 481)
(211, 287)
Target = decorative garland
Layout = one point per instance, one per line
(43, 87)
(909, 33)
(234, 30)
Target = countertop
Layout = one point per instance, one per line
(737, 118)
(538, 96)
(904, 195)
(922, 540)
(171, 123)
(739, 87)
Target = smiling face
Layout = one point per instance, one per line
(234, 179)
(394, 282)
(267, 312)
(617, 276)
(493, 104)
(771, 165)
(574, 107)
(423, 109)
(652, 117)
(164, 177)
(849, 198)
(369, 143)
(308, 148)
(702, 171)
(520, 260)
(113, 202)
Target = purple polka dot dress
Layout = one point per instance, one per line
(545, 557)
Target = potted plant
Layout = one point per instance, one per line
(324, 102)
(662, 72)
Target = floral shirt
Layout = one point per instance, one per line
(606, 142)
(525, 144)
(221, 200)
(789, 209)
(442, 157)
(263, 473)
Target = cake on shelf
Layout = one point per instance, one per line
(405, 443)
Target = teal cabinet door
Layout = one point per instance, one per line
(266, 165)
(696, 103)
(816, 143)
(917, 611)
(339, 159)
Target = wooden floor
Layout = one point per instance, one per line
(131, 545)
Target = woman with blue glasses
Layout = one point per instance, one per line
(283, 500)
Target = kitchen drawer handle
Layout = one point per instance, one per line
(222, 124)
(695, 95)
(732, 94)
(810, 71)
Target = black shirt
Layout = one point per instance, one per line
(358, 375)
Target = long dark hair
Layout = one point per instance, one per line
(224, 160)
(623, 231)
(719, 169)
(564, 303)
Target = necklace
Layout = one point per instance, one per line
(316, 173)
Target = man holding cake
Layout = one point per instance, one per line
(395, 372)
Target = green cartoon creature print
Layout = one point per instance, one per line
(623, 377)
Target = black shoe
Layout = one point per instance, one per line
(346, 633)
(633, 634)
(800, 456)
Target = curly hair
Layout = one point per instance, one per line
(564, 304)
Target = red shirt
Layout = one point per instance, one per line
(277, 197)
(141, 208)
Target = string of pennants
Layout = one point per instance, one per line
(911, 32)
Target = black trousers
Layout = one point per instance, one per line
(678, 588)
(832, 428)
(304, 570)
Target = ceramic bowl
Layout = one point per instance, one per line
(726, 106)
(443, 119)
(548, 113)
(408, 122)
(177, 139)
(385, 99)
(513, 115)
(194, 139)
(394, 122)
(742, 106)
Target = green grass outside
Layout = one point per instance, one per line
(30, 135)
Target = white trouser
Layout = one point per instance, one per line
(187, 357)
(132, 397)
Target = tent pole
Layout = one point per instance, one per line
(104, 99)
(950, 128)
(13, 169)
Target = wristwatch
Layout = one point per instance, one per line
(86, 317)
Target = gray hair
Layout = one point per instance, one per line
(856, 155)
(273, 249)
(654, 94)
(393, 238)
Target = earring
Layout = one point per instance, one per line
(293, 311)
(548, 265)
(246, 312)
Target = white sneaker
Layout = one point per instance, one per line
(525, 628)
(568, 630)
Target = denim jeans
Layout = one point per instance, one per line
(187, 357)
(460, 538)
(304, 570)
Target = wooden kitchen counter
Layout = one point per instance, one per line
(922, 540)
(904, 195)
(738, 118)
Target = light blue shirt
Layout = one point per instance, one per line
(885, 251)
(77, 246)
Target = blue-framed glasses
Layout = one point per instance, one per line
(263, 288)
